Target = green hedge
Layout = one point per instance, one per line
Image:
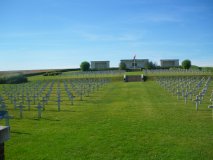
(13, 79)
(54, 73)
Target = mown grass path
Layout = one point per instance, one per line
(121, 121)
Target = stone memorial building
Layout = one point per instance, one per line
(100, 65)
(169, 62)
(135, 63)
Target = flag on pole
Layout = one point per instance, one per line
(134, 57)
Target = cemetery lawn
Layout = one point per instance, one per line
(121, 121)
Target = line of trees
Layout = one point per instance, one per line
(13, 79)
(53, 73)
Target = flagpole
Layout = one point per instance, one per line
(134, 62)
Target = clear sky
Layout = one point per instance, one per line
(42, 34)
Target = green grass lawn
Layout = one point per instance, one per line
(127, 121)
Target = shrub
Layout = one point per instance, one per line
(85, 66)
(13, 79)
(53, 73)
(150, 65)
(186, 64)
(122, 66)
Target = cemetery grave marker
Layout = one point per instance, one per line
(178, 94)
(211, 106)
(28, 102)
(39, 107)
(20, 106)
(211, 100)
(44, 101)
(197, 101)
(186, 96)
(59, 103)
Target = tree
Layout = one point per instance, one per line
(186, 64)
(122, 66)
(150, 65)
(85, 66)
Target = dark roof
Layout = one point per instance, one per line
(169, 60)
(135, 59)
(99, 61)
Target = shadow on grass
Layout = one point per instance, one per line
(62, 110)
(83, 100)
(18, 118)
(15, 132)
(47, 119)
(203, 110)
(92, 96)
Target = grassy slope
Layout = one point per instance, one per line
(121, 121)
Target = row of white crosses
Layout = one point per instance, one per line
(211, 106)
(86, 86)
(187, 87)
(24, 93)
(175, 71)
(28, 94)
(39, 93)
(180, 86)
(199, 97)
(69, 93)
(95, 73)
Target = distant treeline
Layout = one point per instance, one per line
(13, 79)
(208, 68)
(51, 71)
(59, 72)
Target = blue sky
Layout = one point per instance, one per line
(45, 34)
